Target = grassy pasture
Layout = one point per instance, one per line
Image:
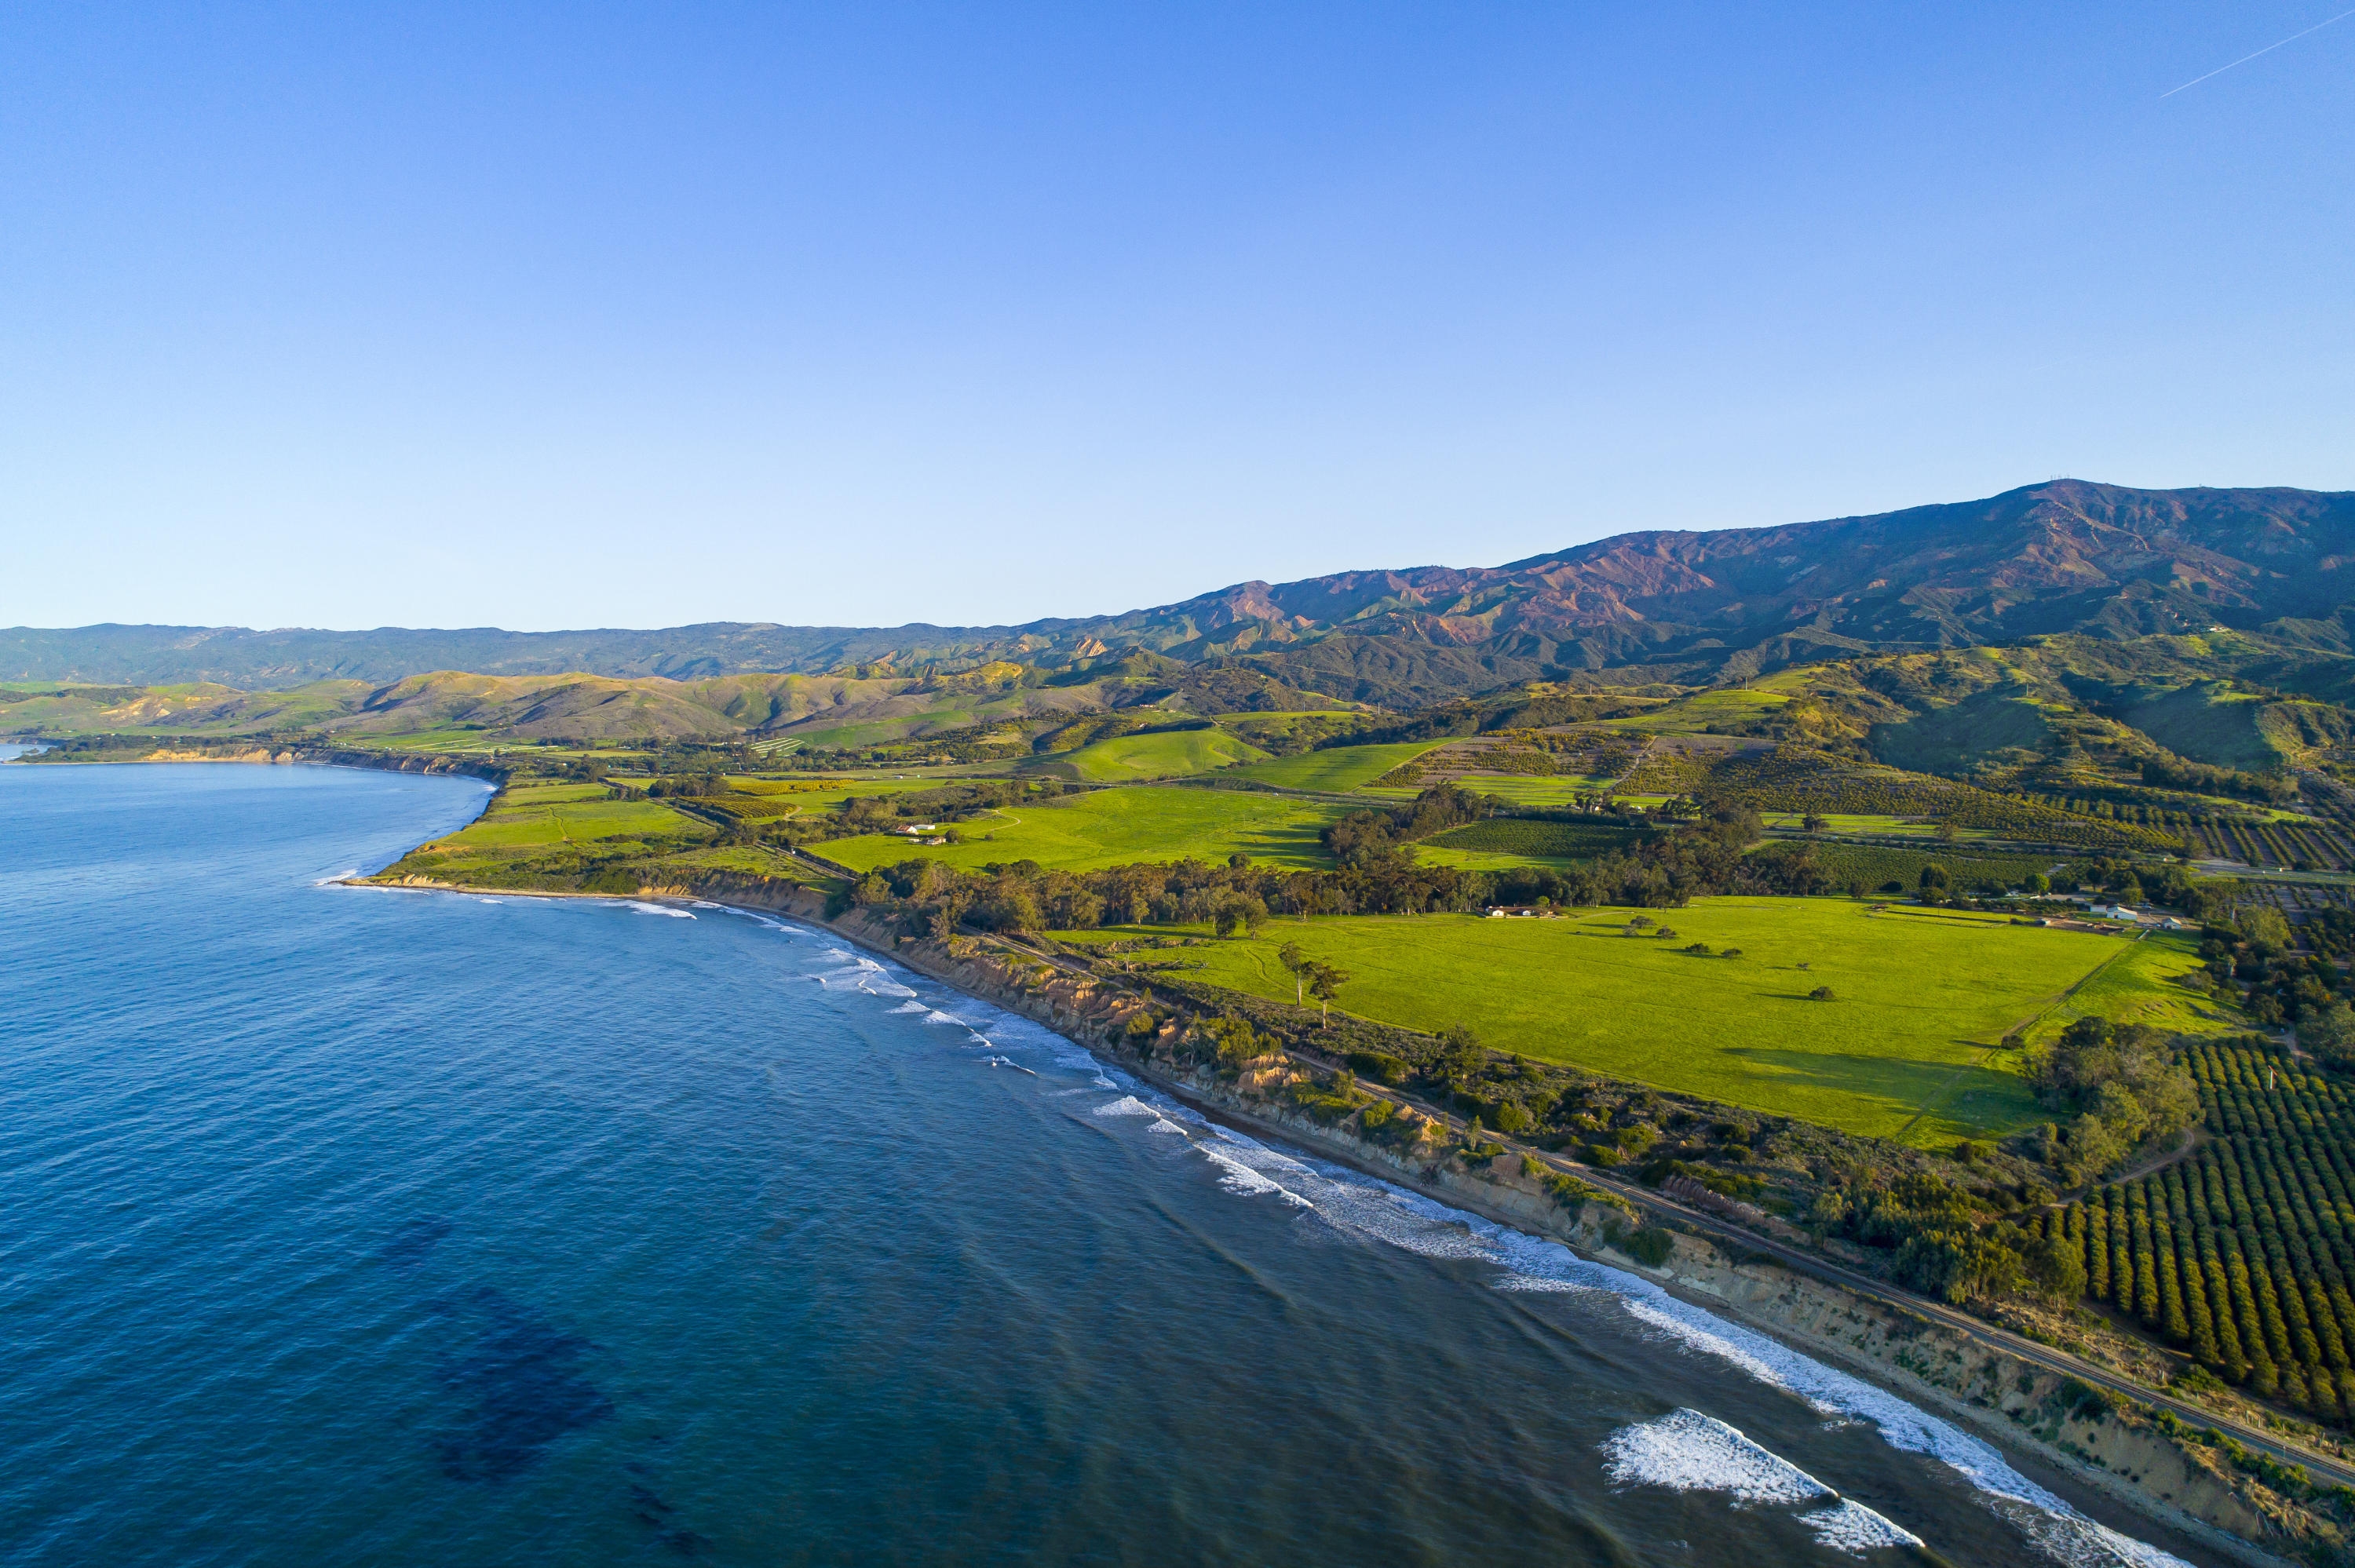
(1118, 827)
(524, 825)
(2140, 986)
(1336, 770)
(521, 794)
(1880, 825)
(1129, 758)
(1486, 859)
(1910, 1044)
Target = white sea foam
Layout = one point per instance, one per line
(1852, 1527)
(937, 1016)
(1249, 1167)
(909, 1007)
(887, 987)
(1532, 1264)
(1127, 1105)
(1376, 1208)
(660, 909)
(1688, 1452)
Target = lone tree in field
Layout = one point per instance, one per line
(1324, 982)
(1821, 993)
(1297, 963)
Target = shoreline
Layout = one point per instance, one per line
(1879, 1343)
(1732, 1291)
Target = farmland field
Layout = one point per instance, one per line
(1880, 825)
(1165, 755)
(548, 795)
(1485, 859)
(1118, 827)
(524, 824)
(1910, 1043)
(1337, 768)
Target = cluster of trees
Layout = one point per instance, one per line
(2256, 954)
(683, 786)
(2245, 1253)
(932, 898)
(2110, 1085)
(1437, 724)
(2175, 773)
(1668, 870)
(1801, 779)
(1363, 834)
(1934, 1229)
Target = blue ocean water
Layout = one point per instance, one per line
(346, 1226)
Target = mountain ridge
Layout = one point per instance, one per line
(2068, 557)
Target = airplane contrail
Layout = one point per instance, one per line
(2269, 48)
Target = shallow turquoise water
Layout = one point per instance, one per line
(350, 1227)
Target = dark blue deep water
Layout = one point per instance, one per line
(343, 1226)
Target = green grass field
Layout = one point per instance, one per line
(1336, 770)
(522, 824)
(1118, 827)
(2139, 986)
(1879, 826)
(1129, 758)
(1910, 1044)
(522, 795)
(1487, 860)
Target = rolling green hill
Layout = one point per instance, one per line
(1164, 754)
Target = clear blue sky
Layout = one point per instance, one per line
(609, 316)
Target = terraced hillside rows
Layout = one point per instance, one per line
(2241, 1255)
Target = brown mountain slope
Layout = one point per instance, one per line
(2069, 557)
(2094, 559)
